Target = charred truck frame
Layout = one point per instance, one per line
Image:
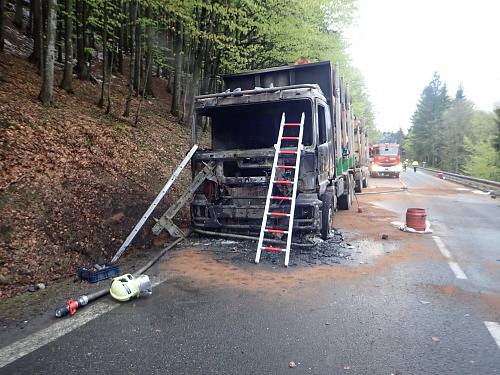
(245, 121)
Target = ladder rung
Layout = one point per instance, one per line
(291, 124)
(283, 182)
(280, 214)
(280, 198)
(279, 231)
(285, 166)
(272, 248)
(289, 152)
(289, 138)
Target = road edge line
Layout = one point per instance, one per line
(459, 273)
(37, 340)
(441, 246)
(494, 329)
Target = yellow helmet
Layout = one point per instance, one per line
(124, 287)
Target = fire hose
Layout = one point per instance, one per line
(72, 305)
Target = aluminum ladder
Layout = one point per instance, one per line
(279, 165)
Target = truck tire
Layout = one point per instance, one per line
(351, 184)
(326, 216)
(365, 182)
(345, 200)
(358, 188)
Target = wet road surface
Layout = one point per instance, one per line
(400, 307)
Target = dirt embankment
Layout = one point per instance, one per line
(73, 181)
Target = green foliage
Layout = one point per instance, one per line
(452, 135)
(428, 142)
(496, 139)
(456, 124)
(228, 36)
(483, 161)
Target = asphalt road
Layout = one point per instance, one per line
(407, 312)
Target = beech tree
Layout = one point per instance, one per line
(66, 82)
(47, 91)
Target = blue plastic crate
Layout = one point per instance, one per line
(95, 276)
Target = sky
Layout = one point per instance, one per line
(399, 44)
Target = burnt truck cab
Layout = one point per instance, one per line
(244, 122)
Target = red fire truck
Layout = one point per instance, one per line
(385, 160)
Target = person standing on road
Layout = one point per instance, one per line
(414, 165)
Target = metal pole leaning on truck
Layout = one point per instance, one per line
(153, 205)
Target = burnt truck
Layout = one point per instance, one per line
(245, 121)
(361, 156)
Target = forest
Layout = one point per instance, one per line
(188, 43)
(451, 134)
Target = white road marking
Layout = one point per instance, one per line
(41, 338)
(453, 265)
(62, 327)
(442, 248)
(494, 329)
(457, 270)
(462, 189)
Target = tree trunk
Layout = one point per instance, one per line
(169, 72)
(149, 62)
(18, 17)
(196, 79)
(104, 53)
(36, 56)
(59, 41)
(82, 68)
(2, 16)
(108, 96)
(121, 35)
(176, 96)
(138, 55)
(46, 93)
(133, 21)
(66, 83)
(29, 26)
(187, 91)
(126, 26)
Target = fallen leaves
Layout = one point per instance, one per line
(73, 181)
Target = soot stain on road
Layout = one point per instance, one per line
(222, 263)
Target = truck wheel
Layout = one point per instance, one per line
(365, 182)
(357, 187)
(345, 200)
(351, 190)
(326, 216)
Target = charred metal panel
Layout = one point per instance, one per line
(256, 125)
(320, 73)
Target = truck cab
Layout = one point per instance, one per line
(244, 122)
(385, 160)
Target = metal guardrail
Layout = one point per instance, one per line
(479, 183)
